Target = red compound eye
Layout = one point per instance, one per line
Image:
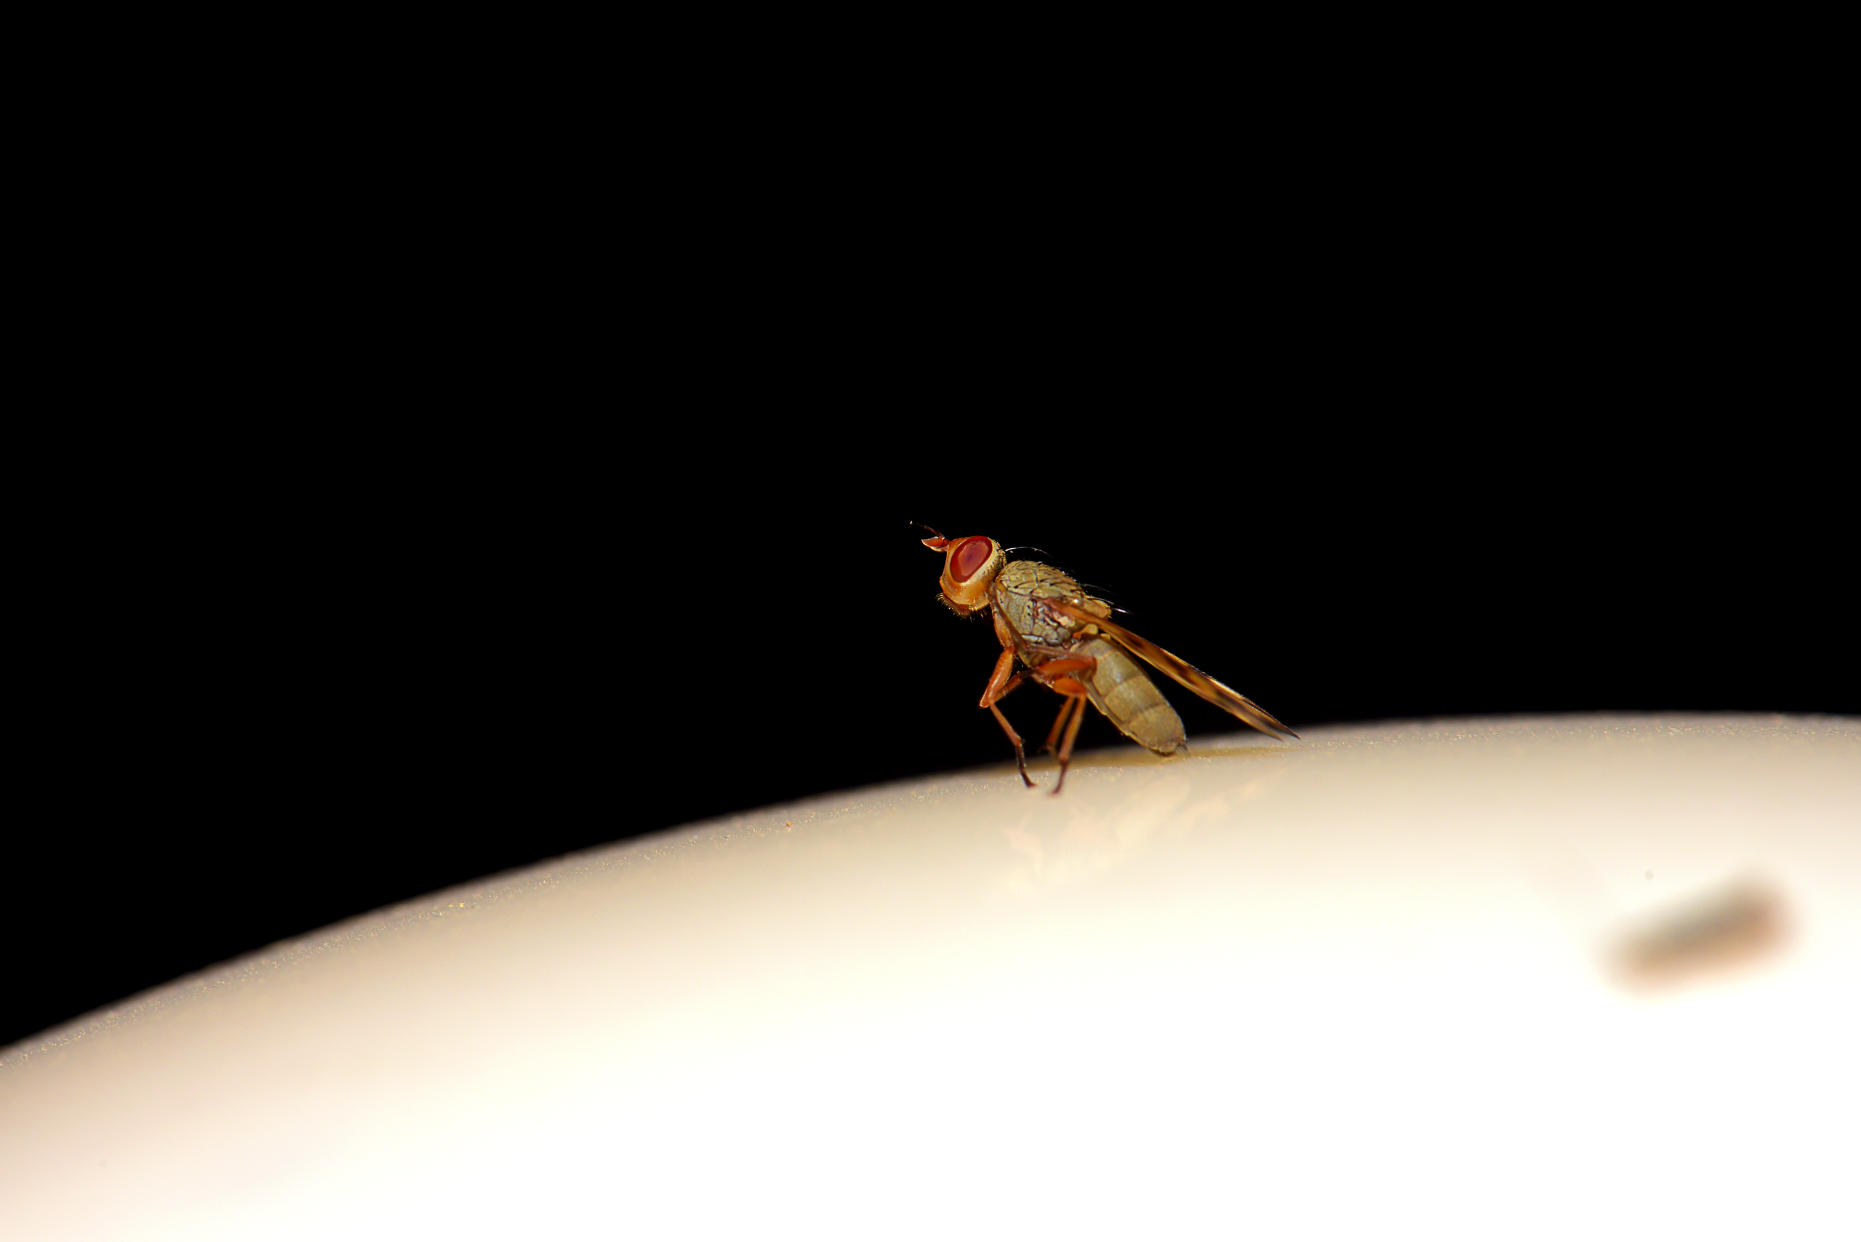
(970, 555)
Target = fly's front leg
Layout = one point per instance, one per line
(1000, 683)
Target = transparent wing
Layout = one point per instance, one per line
(1178, 669)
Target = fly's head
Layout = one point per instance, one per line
(969, 566)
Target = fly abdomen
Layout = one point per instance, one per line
(1129, 699)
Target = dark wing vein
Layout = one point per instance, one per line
(1180, 670)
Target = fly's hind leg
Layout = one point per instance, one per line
(1067, 704)
(1072, 731)
(1057, 675)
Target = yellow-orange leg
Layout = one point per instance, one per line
(1057, 665)
(1000, 683)
(1075, 704)
(1072, 731)
(1067, 704)
(1055, 674)
(1052, 673)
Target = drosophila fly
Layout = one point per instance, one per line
(1069, 643)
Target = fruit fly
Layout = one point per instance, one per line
(1069, 643)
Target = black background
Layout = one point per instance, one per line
(535, 539)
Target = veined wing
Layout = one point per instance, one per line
(1180, 670)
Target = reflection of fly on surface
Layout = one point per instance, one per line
(1735, 926)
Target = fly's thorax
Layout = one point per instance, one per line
(1016, 594)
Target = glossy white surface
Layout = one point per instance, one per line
(1351, 986)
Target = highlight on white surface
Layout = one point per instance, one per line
(1369, 984)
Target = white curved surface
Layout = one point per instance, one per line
(1356, 986)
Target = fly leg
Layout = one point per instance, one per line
(1057, 675)
(1066, 747)
(1000, 683)
(1053, 735)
